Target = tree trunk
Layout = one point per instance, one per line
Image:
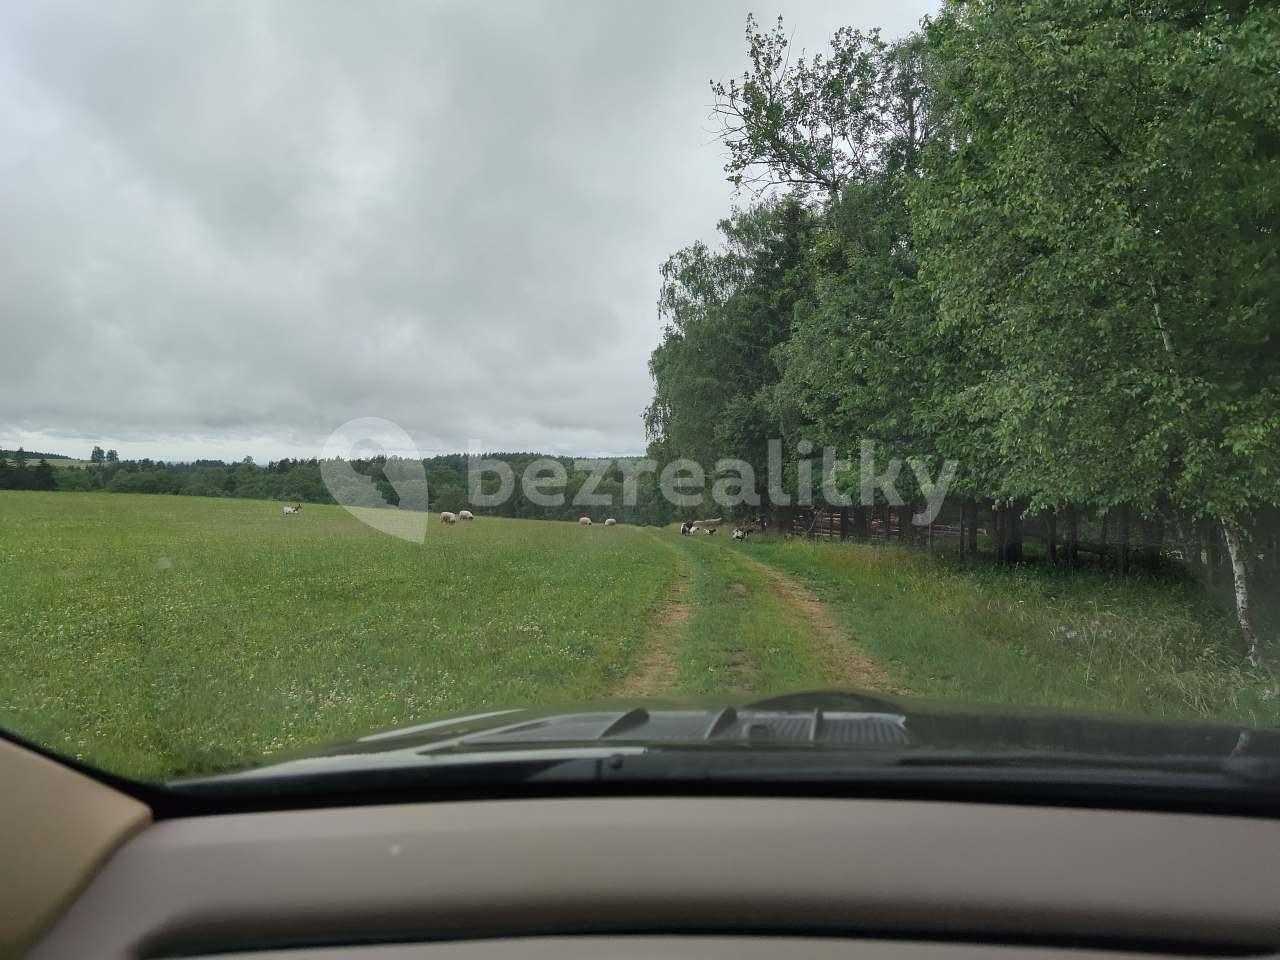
(1073, 536)
(1008, 523)
(962, 511)
(1124, 539)
(1213, 554)
(1191, 541)
(973, 527)
(1240, 579)
(1154, 545)
(1013, 546)
(1052, 524)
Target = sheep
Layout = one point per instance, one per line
(686, 529)
(740, 534)
(290, 511)
(585, 521)
(447, 517)
(610, 522)
(709, 531)
(466, 515)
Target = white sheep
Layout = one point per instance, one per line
(585, 521)
(466, 515)
(610, 522)
(290, 511)
(447, 517)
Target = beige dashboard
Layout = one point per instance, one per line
(688, 948)
(628, 877)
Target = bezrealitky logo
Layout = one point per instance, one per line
(368, 438)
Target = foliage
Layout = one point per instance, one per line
(1047, 249)
(727, 312)
(19, 476)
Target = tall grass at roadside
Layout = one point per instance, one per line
(1035, 635)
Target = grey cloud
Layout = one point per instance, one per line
(231, 224)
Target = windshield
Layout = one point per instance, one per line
(890, 379)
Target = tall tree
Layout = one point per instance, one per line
(806, 122)
(727, 311)
(1098, 220)
(42, 477)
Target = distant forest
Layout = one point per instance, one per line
(17, 473)
(300, 481)
(20, 454)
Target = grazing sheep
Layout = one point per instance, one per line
(447, 517)
(686, 528)
(290, 511)
(739, 533)
(709, 531)
(466, 515)
(610, 522)
(585, 521)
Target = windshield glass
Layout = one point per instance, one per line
(895, 377)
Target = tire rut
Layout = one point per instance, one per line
(658, 671)
(845, 663)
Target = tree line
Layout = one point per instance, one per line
(16, 473)
(301, 480)
(1035, 237)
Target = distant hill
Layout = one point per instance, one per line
(33, 455)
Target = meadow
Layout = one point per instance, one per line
(159, 636)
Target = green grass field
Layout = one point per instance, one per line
(159, 636)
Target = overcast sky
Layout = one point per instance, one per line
(228, 228)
